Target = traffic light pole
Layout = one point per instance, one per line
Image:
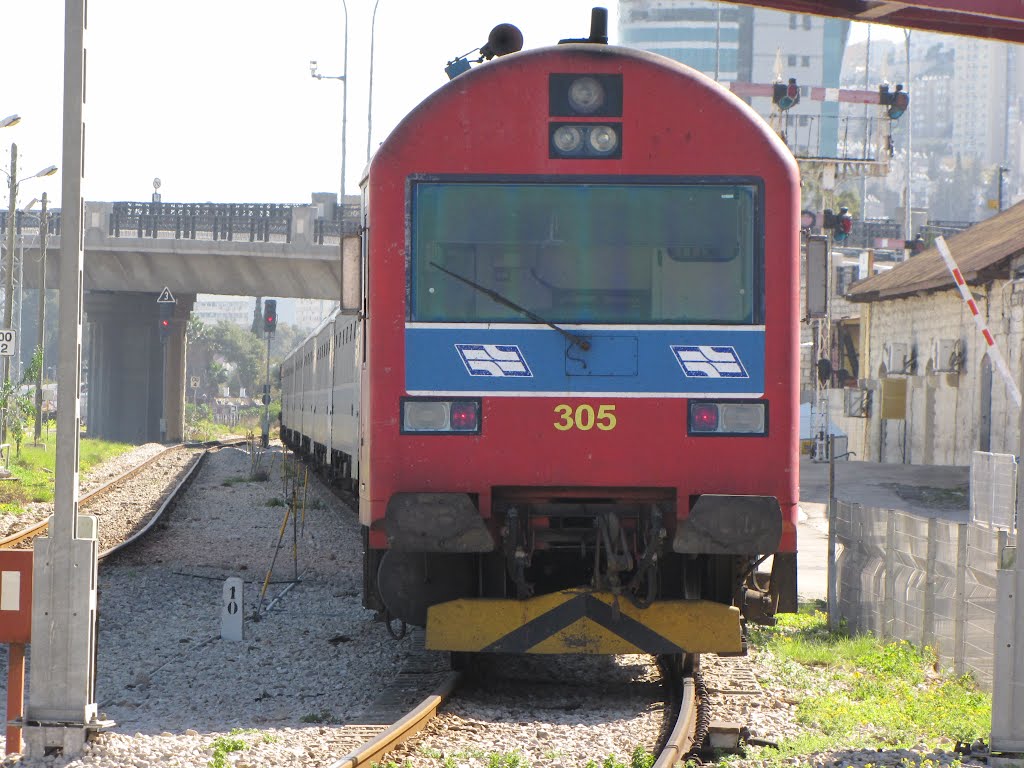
(266, 398)
(163, 391)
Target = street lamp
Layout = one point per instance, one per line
(41, 315)
(12, 183)
(344, 97)
(369, 103)
(10, 120)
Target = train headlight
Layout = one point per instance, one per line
(586, 95)
(439, 416)
(742, 418)
(586, 141)
(728, 418)
(603, 139)
(568, 138)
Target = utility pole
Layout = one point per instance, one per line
(9, 262)
(62, 712)
(41, 319)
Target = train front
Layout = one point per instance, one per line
(579, 398)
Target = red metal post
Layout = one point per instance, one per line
(15, 694)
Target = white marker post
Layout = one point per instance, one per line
(993, 350)
(231, 612)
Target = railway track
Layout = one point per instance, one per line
(500, 715)
(135, 511)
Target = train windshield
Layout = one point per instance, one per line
(587, 253)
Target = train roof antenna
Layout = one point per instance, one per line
(598, 29)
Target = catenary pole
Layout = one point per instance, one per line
(41, 319)
(62, 709)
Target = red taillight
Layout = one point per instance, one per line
(464, 417)
(703, 417)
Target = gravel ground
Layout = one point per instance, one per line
(316, 659)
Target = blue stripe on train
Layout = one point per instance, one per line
(680, 361)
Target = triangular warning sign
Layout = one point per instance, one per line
(165, 297)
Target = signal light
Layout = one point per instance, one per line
(843, 225)
(895, 102)
(164, 324)
(786, 96)
(270, 315)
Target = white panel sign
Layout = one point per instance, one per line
(816, 297)
(8, 343)
(10, 591)
(231, 610)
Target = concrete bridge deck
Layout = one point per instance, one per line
(134, 250)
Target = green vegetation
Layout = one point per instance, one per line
(640, 758)
(859, 693)
(862, 693)
(223, 745)
(34, 467)
(323, 716)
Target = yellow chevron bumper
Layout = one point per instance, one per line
(580, 621)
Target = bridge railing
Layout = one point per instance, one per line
(329, 231)
(27, 222)
(255, 222)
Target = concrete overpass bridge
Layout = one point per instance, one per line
(135, 249)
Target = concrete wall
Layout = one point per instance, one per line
(945, 412)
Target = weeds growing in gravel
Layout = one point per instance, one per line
(224, 745)
(640, 758)
(860, 692)
(323, 716)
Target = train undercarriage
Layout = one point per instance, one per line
(572, 570)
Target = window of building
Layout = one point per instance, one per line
(791, 60)
(792, 21)
(805, 61)
(807, 21)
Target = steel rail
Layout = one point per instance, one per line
(681, 739)
(37, 529)
(169, 499)
(373, 750)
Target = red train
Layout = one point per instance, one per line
(578, 338)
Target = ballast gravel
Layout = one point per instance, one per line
(181, 696)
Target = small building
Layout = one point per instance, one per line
(933, 391)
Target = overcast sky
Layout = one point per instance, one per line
(215, 97)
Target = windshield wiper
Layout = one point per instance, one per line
(573, 338)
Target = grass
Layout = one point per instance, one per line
(862, 693)
(857, 693)
(34, 469)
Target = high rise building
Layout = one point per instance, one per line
(733, 43)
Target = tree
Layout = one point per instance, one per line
(257, 316)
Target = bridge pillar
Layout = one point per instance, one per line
(129, 388)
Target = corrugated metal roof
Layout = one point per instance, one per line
(982, 253)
